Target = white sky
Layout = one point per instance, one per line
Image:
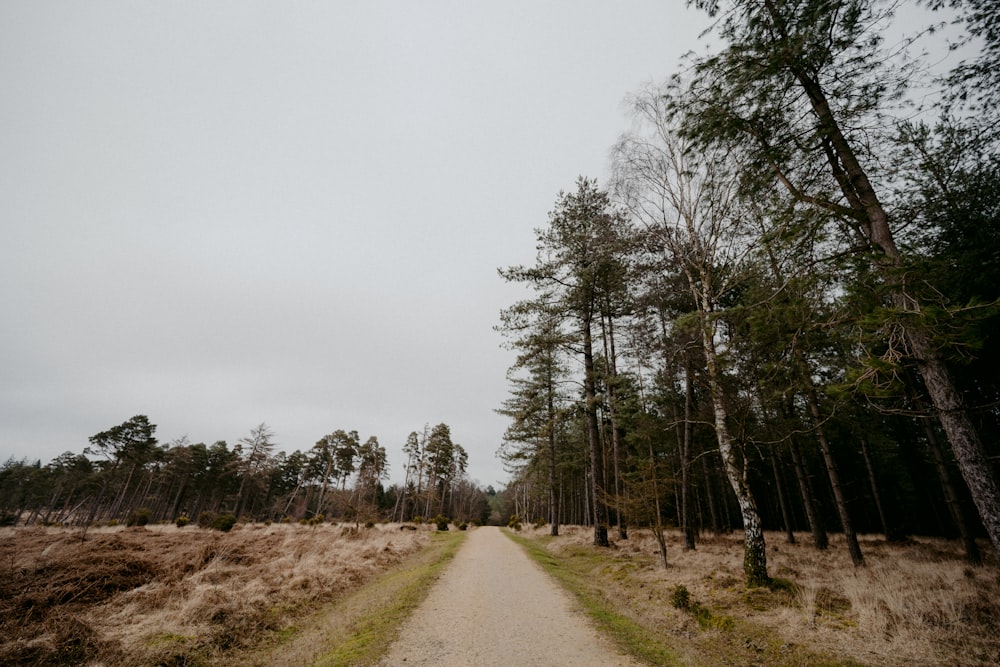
(225, 213)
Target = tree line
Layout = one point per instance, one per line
(781, 312)
(126, 476)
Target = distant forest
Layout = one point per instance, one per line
(782, 311)
(126, 477)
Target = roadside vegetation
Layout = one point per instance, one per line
(257, 594)
(913, 604)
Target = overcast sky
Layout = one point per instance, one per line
(219, 214)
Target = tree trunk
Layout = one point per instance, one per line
(616, 435)
(117, 507)
(831, 469)
(553, 490)
(175, 506)
(686, 526)
(292, 497)
(323, 487)
(661, 543)
(754, 549)
(397, 507)
(891, 534)
(785, 513)
(972, 554)
(820, 539)
(600, 513)
(972, 460)
(710, 494)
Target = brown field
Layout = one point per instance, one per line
(166, 596)
(163, 595)
(917, 603)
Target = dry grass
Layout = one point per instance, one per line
(169, 596)
(164, 595)
(912, 604)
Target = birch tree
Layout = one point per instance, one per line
(688, 206)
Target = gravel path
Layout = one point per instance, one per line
(493, 605)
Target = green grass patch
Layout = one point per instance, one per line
(165, 639)
(575, 573)
(286, 634)
(708, 621)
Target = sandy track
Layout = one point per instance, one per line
(494, 606)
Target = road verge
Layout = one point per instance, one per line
(359, 628)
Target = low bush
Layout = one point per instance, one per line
(680, 598)
(182, 521)
(139, 517)
(224, 522)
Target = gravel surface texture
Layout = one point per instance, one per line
(493, 605)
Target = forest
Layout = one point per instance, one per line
(125, 477)
(780, 313)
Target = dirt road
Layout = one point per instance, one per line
(495, 606)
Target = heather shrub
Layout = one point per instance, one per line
(138, 517)
(224, 522)
(680, 598)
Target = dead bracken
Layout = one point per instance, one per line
(166, 595)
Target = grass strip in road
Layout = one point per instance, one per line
(577, 578)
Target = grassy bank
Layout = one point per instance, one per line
(358, 630)
(913, 604)
(575, 571)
